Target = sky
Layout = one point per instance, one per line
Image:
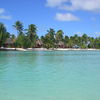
(72, 16)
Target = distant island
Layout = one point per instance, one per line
(28, 38)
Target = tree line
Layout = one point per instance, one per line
(26, 38)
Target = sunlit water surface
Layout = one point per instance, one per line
(50, 75)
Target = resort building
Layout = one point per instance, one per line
(9, 43)
(60, 44)
(39, 44)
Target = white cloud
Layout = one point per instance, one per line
(66, 17)
(88, 5)
(2, 10)
(3, 16)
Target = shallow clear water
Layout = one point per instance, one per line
(50, 75)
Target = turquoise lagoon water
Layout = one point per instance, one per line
(50, 75)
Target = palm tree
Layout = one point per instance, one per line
(13, 36)
(75, 39)
(19, 27)
(91, 42)
(49, 39)
(3, 34)
(66, 40)
(84, 40)
(31, 33)
(59, 36)
(97, 43)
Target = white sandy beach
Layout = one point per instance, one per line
(43, 49)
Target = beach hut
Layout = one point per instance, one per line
(60, 44)
(39, 44)
(9, 43)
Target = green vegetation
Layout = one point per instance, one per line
(3, 34)
(27, 38)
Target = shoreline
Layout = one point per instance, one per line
(44, 49)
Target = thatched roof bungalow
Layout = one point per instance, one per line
(39, 44)
(9, 43)
(60, 44)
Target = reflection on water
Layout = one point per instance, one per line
(50, 75)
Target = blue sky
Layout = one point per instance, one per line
(72, 16)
